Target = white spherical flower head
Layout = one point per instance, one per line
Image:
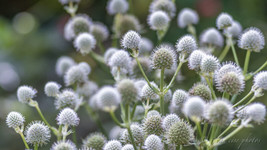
(113, 145)
(68, 32)
(37, 133)
(52, 88)
(75, 75)
(234, 30)
(224, 21)
(131, 40)
(194, 60)
(15, 120)
(108, 54)
(169, 120)
(260, 80)
(179, 97)
(64, 145)
(209, 64)
(137, 133)
(115, 133)
(63, 2)
(85, 67)
(163, 5)
(117, 6)
(252, 39)
(80, 24)
(120, 59)
(63, 64)
(153, 142)
(145, 45)
(186, 44)
(128, 147)
(187, 17)
(158, 20)
(68, 117)
(66, 99)
(148, 93)
(25, 93)
(108, 98)
(212, 37)
(194, 107)
(87, 89)
(256, 112)
(163, 57)
(84, 43)
(99, 31)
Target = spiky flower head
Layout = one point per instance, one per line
(186, 44)
(209, 64)
(158, 20)
(145, 45)
(84, 43)
(120, 59)
(256, 112)
(252, 39)
(163, 57)
(260, 80)
(137, 133)
(37, 133)
(163, 5)
(187, 17)
(179, 97)
(117, 6)
(80, 24)
(66, 99)
(87, 89)
(131, 40)
(63, 64)
(108, 54)
(95, 141)
(140, 84)
(128, 90)
(75, 75)
(168, 96)
(85, 67)
(25, 93)
(108, 98)
(64, 145)
(224, 20)
(99, 31)
(68, 117)
(148, 93)
(219, 112)
(169, 120)
(234, 30)
(153, 125)
(125, 23)
(15, 120)
(52, 88)
(115, 132)
(152, 113)
(180, 133)
(113, 145)
(128, 147)
(63, 2)
(153, 142)
(195, 59)
(202, 90)
(211, 36)
(194, 107)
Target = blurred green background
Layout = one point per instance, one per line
(31, 40)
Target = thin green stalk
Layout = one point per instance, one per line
(211, 87)
(23, 139)
(251, 100)
(115, 119)
(133, 111)
(225, 131)
(233, 98)
(174, 76)
(127, 113)
(97, 57)
(65, 132)
(59, 133)
(234, 52)
(131, 137)
(246, 62)
(213, 130)
(161, 92)
(224, 52)
(101, 47)
(243, 99)
(199, 128)
(205, 128)
(74, 137)
(192, 30)
(35, 146)
(258, 70)
(232, 134)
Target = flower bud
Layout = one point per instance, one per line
(169, 120)
(99, 31)
(179, 97)
(158, 20)
(153, 142)
(148, 93)
(108, 98)
(209, 64)
(108, 54)
(125, 23)
(131, 40)
(153, 125)
(137, 133)
(68, 117)
(64, 145)
(234, 30)
(37, 133)
(201, 90)
(260, 80)
(128, 147)
(194, 107)
(194, 60)
(224, 21)
(80, 24)
(120, 59)
(113, 145)
(128, 90)
(186, 44)
(211, 36)
(52, 89)
(187, 17)
(163, 57)
(117, 6)
(145, 45)
(75, 75)
(15, 120)
(63, 64)
(66, 99)
(84, 43)
(256, 112)
(25, 93)
(163, 5)
(95, 141)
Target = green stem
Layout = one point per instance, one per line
(204, 131)
(246, 62)
(65, 132)
(101, 47)
(35, 146)
(199, 128)
(258, 70)
(133, 111)
(23, 139)
(74, 137)
(161, 91)
(131, 137)
(213, 130)
(41, 115)
(234, 52)
(192, 30)
(243, 99)
(224, 52)
(251, 100)
(115, 119)
(97, 57)
(126, 113)
(211, 87)
(225, 131)
(59, 133)
(232, 133)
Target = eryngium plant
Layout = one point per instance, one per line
(203, 117)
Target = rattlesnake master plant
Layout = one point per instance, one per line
(199, 117)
